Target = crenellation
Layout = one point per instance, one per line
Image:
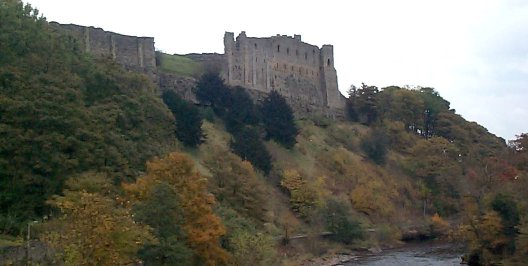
(303, 73)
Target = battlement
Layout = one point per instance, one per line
(303, 73)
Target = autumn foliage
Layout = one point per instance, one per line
(201, 226)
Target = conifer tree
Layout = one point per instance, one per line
(278, 120)
(188, 119)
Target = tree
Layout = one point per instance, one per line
(235, 183)
(375, 146)
(519, 148)
(201, 226)
(242, 111)
(188, 119)
(367, 104)
(162, 211)
(247, 144)
(212, 90)
(278, 120)
(92, 228)
(63, 112)
(303, 196)
(506, 207)
(351, 104)
(337, 219)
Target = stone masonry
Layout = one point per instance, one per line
(133, 53)
(303, 73)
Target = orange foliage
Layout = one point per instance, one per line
(202, 227)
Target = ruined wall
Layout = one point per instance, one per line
(210, 61)
(301, 72)
(133, 53)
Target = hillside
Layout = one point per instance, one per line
(112, 173)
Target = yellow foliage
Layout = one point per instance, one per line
(373, 197)
(202, 227)
(304, 195)
(92, 230)
(235, 182)
(438, 224)
(484, 234)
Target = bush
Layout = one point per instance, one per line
(337, 219)
(375, 146)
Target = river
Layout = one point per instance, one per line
(426, 253)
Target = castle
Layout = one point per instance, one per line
(303, 73)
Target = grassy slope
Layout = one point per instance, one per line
(179, 65)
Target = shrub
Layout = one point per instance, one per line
(375, 146)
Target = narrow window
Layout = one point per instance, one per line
(305, 56)
(278, 48)
(287, 51)
(256, 46)
(328, 62)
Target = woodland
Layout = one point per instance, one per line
(106, 170)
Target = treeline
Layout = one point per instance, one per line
(63, 113)
(464, 170)
(248, 123)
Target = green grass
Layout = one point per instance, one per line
(180, 65)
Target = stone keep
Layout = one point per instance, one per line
(303, 73)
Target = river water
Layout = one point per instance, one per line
(428, 253)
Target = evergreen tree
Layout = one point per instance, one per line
(278, 120)
(351, 104)
(212, 90)
(188, 119)
(367, 104)
(242, 111)
(248, 145)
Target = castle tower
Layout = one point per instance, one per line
(329, 77)
(229, 47)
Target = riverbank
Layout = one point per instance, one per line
(412, 253)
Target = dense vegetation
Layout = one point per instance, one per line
(93, 154)
(63, 113)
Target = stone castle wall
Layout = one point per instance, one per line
(301, 72)
(134, 53)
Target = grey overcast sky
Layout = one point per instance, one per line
(474, 53)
